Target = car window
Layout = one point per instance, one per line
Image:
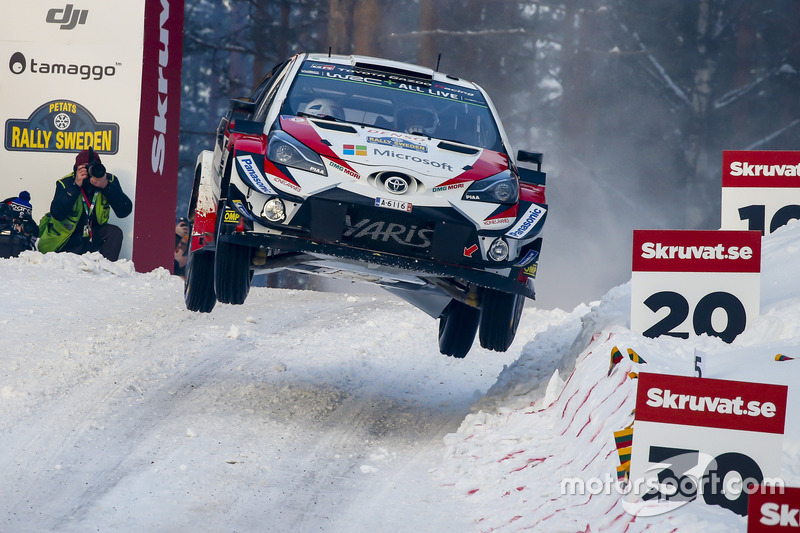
(264, 93)
(394, 103)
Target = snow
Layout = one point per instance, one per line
(310, 411)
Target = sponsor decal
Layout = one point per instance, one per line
(495, 221)
(533, 215)
(350, 149)
(390, 203)
(394, 142)
(67, 18)
(471, 250)
(382, 231)
(286, 183)
(450, 187)
(529, 257)
(232, 217)
(412, 158)
(19, 64)
(530, 270)
(160, 120)
(350, 172)
(254, 175)
(61, 126)
(697, 251)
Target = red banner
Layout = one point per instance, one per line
(713, 403)
(753, 168)
(768, 512)
(696, 251)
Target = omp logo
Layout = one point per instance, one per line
(18, 64)
(657, 250)
(528, 221)
(665, 398)
(67, 17)
(747, 169)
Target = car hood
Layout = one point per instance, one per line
(368, 146)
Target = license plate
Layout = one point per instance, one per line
(391, 203)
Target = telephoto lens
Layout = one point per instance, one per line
(97, 170)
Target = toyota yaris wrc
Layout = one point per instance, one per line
(372, 170)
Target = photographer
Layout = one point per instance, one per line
(18, 231)
(182, 232)
(79, 213)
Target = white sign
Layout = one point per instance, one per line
(703, 439)
(95, 74)
(760, 189)
(687, 283)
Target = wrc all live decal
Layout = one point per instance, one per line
(61, 126)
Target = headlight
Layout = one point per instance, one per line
(274, 210)
(501, 188)
(286, 150)
(498, 251)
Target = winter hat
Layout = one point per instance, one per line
(83, 157)
(22, 203)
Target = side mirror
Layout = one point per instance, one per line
(523, 156)
(243, 104)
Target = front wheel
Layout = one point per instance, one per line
(232, 272)
(457, 327)
(198, 282)
(500, 315)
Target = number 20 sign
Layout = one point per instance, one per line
(690, 282)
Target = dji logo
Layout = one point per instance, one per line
(67, 17)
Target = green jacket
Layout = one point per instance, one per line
(67, 210)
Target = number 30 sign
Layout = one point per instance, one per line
(690, 282)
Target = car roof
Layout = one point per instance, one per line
(391, 65)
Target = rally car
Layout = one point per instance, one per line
(372, 170)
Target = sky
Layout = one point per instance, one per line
(334, 411)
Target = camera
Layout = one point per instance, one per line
(96, 170)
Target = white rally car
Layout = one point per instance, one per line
(373, 170)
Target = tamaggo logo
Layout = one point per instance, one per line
(18, 64)
(67, 18)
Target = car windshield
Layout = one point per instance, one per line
(396, 103)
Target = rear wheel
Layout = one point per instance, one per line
(500, 315)
(198, 284)
(232, 272)
(457, 327)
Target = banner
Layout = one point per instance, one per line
(96, 74)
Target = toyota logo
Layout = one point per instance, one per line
(396, 185)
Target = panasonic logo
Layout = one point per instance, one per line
(532, 216)
(160, 120)
(657, 397)
(651, 250)
(746, 169)
(253, 174)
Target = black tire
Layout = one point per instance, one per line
(198, 284)
(232, 272)
(457, 327)
(500, 315)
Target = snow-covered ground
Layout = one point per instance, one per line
(307, 411)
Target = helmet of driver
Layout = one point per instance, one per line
(421, 120)
(323, 107)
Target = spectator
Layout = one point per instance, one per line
(79, 213)
(182, 231)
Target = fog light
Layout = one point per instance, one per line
(498, 251)
(274, 211)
